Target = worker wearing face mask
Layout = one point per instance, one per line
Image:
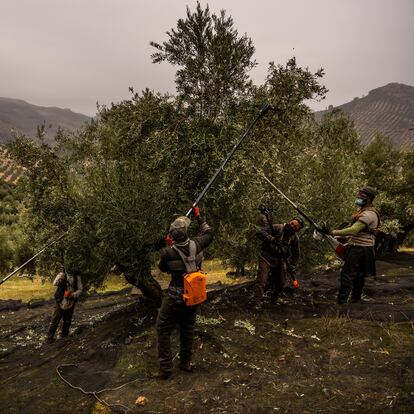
(359, 253)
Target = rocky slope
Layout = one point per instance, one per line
(388, 110)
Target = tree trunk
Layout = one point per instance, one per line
(405, 230)
(142, 279)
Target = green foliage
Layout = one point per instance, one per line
(391, 172)
(213, 62)
(14, 249)
(381, 162)
(6, 250)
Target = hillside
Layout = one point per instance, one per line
(388, 110)
(24, 117)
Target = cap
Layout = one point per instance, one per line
(369, 192)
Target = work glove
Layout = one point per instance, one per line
(317, 235)
(196, 212)
(169, 240)
(326, 229)
(67, 294)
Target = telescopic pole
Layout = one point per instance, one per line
(263, 110)
(305, 216)
(32, 258)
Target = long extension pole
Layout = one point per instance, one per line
(32, 258)
(263, 110)
(305, 216)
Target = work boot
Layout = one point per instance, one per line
(186, 366)
(163, 375)
(274, 298)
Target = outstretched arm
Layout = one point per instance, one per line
(206, 235)
(353, 230)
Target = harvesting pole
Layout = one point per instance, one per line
(263, 110)
(32, 258)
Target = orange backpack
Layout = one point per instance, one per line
(195, 289)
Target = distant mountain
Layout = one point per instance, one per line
(388, 110)
(24, 117)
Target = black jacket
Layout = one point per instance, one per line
(291, 245)
(171, 262)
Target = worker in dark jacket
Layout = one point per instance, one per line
(69, 288)
(359, 252)
(173, 310)
(270, 260)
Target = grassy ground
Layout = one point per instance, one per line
(26, 290)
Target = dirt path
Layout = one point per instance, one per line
(303, 354)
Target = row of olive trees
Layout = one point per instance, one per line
(115, 186)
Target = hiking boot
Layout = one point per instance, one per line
(163, 375)
(186, 366)
(341, 300)
(274, 299)
(50, 340)
(356, 300)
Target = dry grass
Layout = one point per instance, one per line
(26, 289)
(331, 325)
(217, 273)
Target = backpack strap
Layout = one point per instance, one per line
(369, 230)
(189, 261)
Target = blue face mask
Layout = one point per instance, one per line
(360, 202)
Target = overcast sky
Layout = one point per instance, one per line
(73, 53)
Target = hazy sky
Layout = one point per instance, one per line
(73, 53)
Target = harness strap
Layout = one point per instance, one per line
(189, 261)
(369, 230)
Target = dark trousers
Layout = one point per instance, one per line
(171, 314)
(58, 314)
(276, 272)
(359, 261)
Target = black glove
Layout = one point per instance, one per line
(326, 229)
